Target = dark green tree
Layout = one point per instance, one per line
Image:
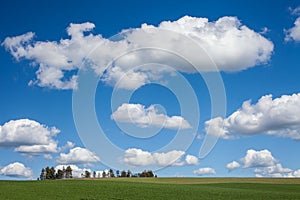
(128, 173)
(50, 173)
(150, 173)
(64, 172)
(111, 173)
(43, 174)
(69, 172)
(118, 173)
(145, 173)
(104, 174)
(47, 169)
(87, 174)
(59, 174)
(123, 173)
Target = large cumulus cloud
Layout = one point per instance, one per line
(230, 44)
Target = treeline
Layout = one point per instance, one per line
(50, 173)
(111, 174)
(66, 173)
(145, 173)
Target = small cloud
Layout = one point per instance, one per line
(293, 34)
(38, 149)
(295, 11)
(233, 165)
(16, 170)
(204, 171)
(264, 31)
(138, 157)
(191, 160)
(78, 155)
(147, 117)
(68, 145)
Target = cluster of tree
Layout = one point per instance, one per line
(111, 174)
(50, 173)
(104, 174)
(124, 173)
(145, 173)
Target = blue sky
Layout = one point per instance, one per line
(152, 89)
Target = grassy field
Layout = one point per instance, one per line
(153, 188)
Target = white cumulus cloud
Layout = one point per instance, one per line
(294, 32)
(28, 136)
(233, 165)
(78, 155)
(274, 171)
(231, 45)
(146, 117)
(38, 149)
(204, 171)
(168, 158)
(296, 173)
(191, 160)
(253, 158)
(264, 164)
(16, 170)
(138, 157)
(279, 116)
(277, 171)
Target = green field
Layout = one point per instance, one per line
(153, 188)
